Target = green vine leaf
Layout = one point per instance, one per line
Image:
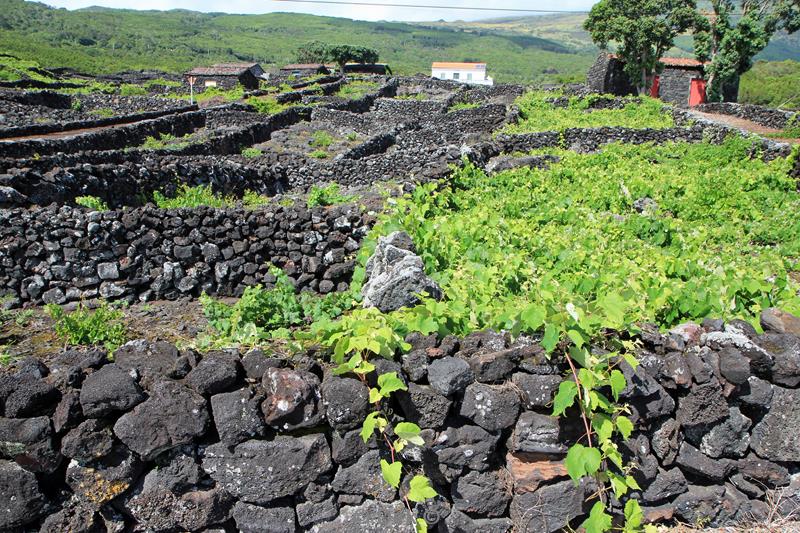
(374, 395)
(390, 382)
(391, 472)
(603, 425)
(582, 461)
(409, 432)
(599, 521)
(624, 426)
(420, 489)
(565, 398)
(618, 383)
(633, 516)
(550, 338)
(373, 421)
(421, 526)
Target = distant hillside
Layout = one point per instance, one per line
(106, 40)
(568, 30)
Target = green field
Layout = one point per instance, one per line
(99, 40)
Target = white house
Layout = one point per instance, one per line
(474, 73)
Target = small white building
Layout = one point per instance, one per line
(474, 73)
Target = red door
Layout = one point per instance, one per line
(697, 93)
(654, 87)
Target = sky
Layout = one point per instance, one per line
(353, 12)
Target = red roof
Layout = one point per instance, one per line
(681, 62)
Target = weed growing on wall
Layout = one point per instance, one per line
(319, 154)
(252, 152)
(83, 327)
(538, 114)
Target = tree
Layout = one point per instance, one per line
(341, 54)
(729, 46)
(642, 31)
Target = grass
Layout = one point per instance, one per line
(251, 153)
(772, 84)
(129, 89)
(538, 114)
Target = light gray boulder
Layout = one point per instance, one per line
(396, 275)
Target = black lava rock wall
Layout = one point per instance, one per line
(163, 439)
(58, 255)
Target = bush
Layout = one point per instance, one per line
(252, 152)
(201, 195)
(327, 195)
(91, 202)
(83, 327)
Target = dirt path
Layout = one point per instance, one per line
(744, 124)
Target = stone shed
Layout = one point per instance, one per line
(681, 82)
(304, 69)
(607, 76)
(227, 75)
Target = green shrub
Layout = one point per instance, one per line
(91, 202)
(83, 327)
(129, 89)
(201, 195)
(352, 136)
(252, 152)
(319, 154)
(321, 139)
(76, 104)
(327, 195)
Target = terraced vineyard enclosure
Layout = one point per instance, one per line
(394, 304)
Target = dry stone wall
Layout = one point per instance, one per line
(766, 116)
(163, 439)
(58, 255)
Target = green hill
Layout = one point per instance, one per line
(100, 40)
(568, 30)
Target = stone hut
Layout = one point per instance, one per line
(607, 76)
(227, 75)
(304, 69)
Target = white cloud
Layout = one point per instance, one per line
(354, 12)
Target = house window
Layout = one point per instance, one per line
(456, 75)
(210, 83)
(469, 76)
